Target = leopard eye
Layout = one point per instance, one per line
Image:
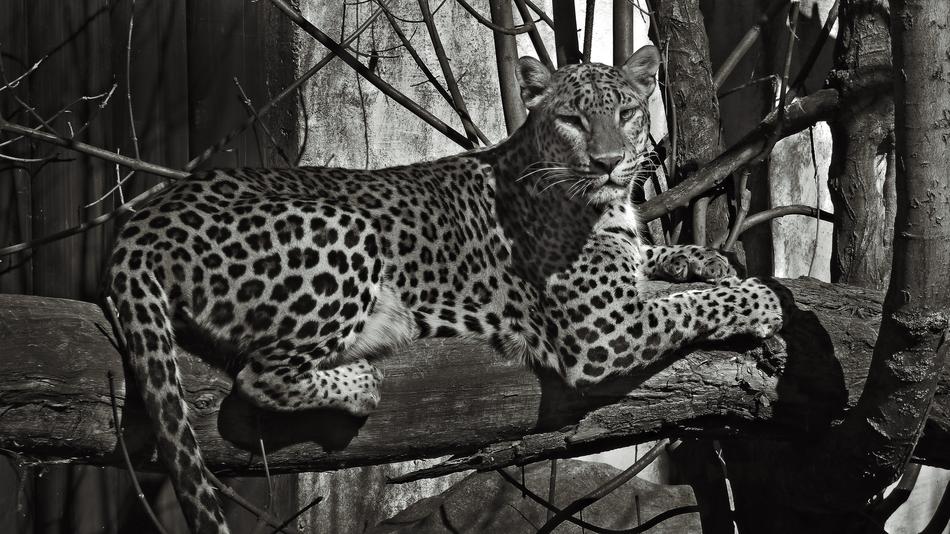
(626, 114)
(574, 121)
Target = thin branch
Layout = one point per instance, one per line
(506, 60)
(750, 37)
(315, 501)
(886, 507)
(605, 489)
(128, 83)
(261, 522)
(744, 199)
(229, 492)
(526, 27)
(540, 12)
(297, 18)
(552, 487)
(16, 81)
(643, 527)
(782, 211)
(800, 114)
(589, 30)
(536, 41)
(458, 102)
(246, 100)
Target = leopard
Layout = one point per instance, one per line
(301, 278)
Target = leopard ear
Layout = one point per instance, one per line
(534, 79)
(640, 70)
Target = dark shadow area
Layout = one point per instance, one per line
(244, 424)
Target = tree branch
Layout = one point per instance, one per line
(55, 402)
(800, 114)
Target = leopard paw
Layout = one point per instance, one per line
(696, 263)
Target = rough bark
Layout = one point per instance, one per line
(441, 396)
(868, 449)
(861, 178)
(693, 93)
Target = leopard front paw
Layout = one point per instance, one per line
(763, 312)
(696, 263)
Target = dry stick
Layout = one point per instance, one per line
(734, 57)
(536, 41)
(316, 500)
(12, 84)
(261, 523)
(552, 487)
(782, 211)
(540, 12)
(128, 83)
(228, 492)
(151, 167)
(246, 100)
(783, 91)
(457, 101)
(644, 527)
(588, 30)
(605, 489)
(744, 198)
(526, 27)
(370, 76)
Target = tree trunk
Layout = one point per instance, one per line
(861, 179)
(867, 450)
(696, 118)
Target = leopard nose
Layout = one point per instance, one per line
(605, 163)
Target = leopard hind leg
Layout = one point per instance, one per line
(296, 382)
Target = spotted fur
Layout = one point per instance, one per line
(302, 276)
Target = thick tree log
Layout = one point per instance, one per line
(447, 396)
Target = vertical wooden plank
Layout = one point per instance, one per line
(16, 271)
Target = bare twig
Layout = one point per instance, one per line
(457, 101)
(128, 83)
(229, 492)
(297, 18)
(536, 41)
(414, 54)
(248, 105)
(589, 30)
(729, 64)
(315, 501)
(540, 12)
(643, 527)
(743, 198)
(605, 489)
(12, 84)
(527, 26)
(261, 522)
(782, 211)
(552, 487)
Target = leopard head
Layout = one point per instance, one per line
(590, 123)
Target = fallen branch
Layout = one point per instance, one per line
(445, 396)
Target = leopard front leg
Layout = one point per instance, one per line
(682, 263)
(295, 383)
(644, 330)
